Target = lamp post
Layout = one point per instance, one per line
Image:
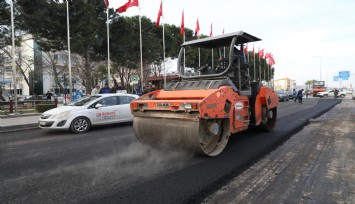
(320, 67)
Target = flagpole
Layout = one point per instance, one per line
(259, 64)
(164, 54)
(254, 63)
(14, 72)
(268, 73)
(69, 58)
(198, 37)
(199, 56)
(141, 48)
(184, 51)
(108, 50)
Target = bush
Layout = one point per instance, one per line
(44, 106)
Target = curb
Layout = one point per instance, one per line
(20, 115)
(18, 127)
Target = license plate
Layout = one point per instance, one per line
(42, 123)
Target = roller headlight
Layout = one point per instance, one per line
(61, 115)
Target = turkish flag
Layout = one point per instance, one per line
(160, 14)
(197, 30)
(127, 5)
(182, 27)
(211, 31)
(106, 2)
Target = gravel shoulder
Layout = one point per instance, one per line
(317, 165)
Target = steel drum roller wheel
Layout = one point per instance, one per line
(207, 137)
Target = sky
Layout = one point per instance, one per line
(308, 39)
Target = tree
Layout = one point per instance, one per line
(309, 84)
(48, 25)
(5, 23)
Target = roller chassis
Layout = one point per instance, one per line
(200, 112)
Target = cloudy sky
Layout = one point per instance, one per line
(308, 39)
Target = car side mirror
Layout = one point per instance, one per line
(99, 105)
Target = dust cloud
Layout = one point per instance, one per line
(136, 161)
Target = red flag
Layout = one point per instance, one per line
(253, 54)
(246, 52)
(160, 13)
(106, 2)
(267, 55)
(271, 59)
(127, 5)
(197, 30)
(223, 31)
(182, 27)
(261, 53)
(211, 31)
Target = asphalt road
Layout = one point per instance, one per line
(107, 164)
(316, 165)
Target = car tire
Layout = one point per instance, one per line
(80, 125)
(342, 96)
(325, 96)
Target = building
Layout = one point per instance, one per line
(284, 84)
(34, 76)
(29, 77)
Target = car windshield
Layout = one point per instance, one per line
(84, 101)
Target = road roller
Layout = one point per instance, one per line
(213, 99)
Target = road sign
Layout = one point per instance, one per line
(335, 78)
(134, 78)
(344, 74)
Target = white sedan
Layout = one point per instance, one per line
(97, 109)
(326, 94)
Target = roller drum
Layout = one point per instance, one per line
(208, 137)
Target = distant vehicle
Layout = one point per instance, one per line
(283, 96)
(353, 94)
(348, 91)
(79, 116)
(290, 94)
(318, 86)
(325, 94)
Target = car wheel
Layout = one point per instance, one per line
(342, 96)
(80, 125)
(325, 95)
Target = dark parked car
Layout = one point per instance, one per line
(283, 96)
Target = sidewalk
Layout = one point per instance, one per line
(19, 122)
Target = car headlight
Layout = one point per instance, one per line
(61, 115)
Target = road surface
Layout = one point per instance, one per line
(107, 164)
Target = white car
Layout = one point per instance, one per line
(80, 115)
(330, 93)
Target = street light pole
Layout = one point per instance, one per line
(320, 67)
(14, 72)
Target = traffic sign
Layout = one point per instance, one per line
(134, 78)
(344, 74)
(335, 78)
